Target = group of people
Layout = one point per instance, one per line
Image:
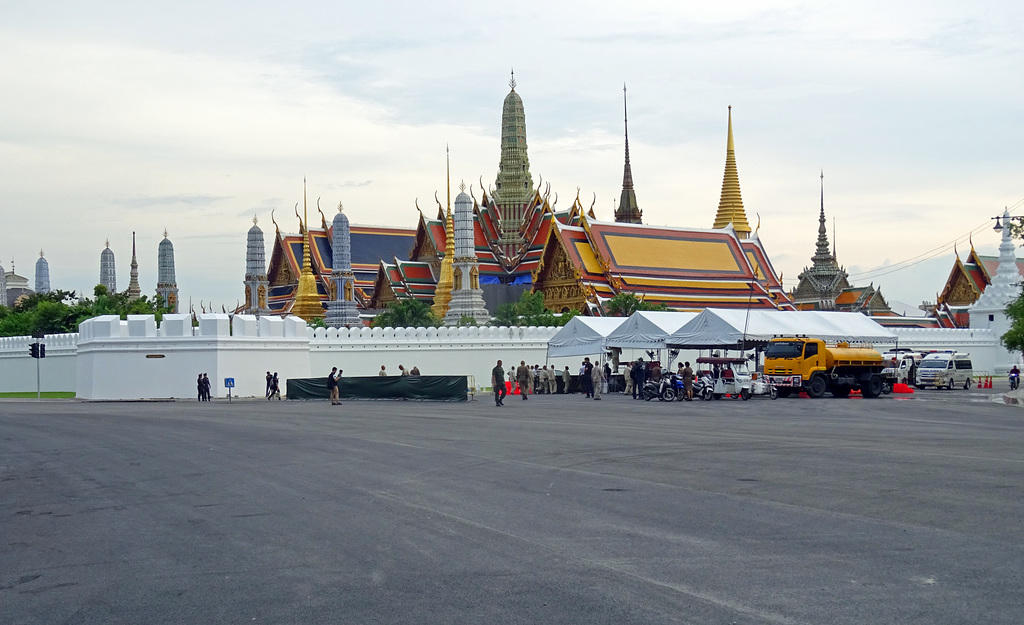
(544, 380)
(402, 371)
(273, 386)
(203, 387)
(639, 373)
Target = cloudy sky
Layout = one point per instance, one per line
(195, 116)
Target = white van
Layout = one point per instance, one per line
(945, 370)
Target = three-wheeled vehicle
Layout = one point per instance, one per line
(730, 376)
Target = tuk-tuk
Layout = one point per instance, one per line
(730, 376)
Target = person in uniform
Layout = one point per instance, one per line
(566, 380)
(525, 377)
(688, 381)
(596, 381)
(498, 383)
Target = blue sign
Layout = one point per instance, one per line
(229, 383)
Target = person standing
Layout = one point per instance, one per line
(414, 371)
(596, 380)
(383, 373)
(200, 388)
(586, 377)
(270, 379)
(403, 371)
(498, 383)
(524, 376)
(206, 387)
(275, 388)
(688, 381)
(332, 385)
(638, 374)
(629, 379)
(566, 380)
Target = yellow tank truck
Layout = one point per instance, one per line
(808, 364)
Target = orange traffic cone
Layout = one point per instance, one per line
(979, 382)
(988, 382)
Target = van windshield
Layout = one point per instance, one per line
(785, 349)
(934, 364)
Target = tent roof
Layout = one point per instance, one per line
(583, 336)
(717, 327)
(647, 330)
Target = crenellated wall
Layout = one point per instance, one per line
(57, 372)
(133, 359)
(987, 354)
(471, 350)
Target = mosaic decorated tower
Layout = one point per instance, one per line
(166, 286)
(627, 210)
(256, 283)
(134, 292)
(467, 296)
(341, 307)
(108, 275)
(42, 274)
(730, 206)
(514, 185)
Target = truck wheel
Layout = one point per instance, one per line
(816, 387)
(872, 387)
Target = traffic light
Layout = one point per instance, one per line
(42, 350)
(33, 350)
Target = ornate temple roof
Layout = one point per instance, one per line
(683, 268)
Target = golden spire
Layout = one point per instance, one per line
(730, 207)
(446, 281)
(307, 300)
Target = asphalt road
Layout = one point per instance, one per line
(552, 510)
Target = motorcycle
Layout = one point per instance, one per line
(704, 387)
(663, 390)
(1014, 381)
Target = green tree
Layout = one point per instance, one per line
(1013, 340)
(625, 304)
(59, 311)
(530, 311)
(410, 313)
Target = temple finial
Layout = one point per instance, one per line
(41, 253)
(512, 82)
(255, 220)
(340, 207)
(165, 233)
(108, 243)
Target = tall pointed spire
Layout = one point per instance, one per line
(307, 299)
(730, 207)
(821, 250)
(445, 282)
(108, 272)
(133, 283)
(166, 283)
(627, 211)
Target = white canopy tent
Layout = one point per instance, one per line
(731, 328)
(647, 330)
(583, 336)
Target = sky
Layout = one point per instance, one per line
(195, 117)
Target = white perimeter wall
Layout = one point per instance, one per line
(58, 371)
(987, 355)
(469, 351)
(132, 359)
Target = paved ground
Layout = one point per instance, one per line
(552, 510)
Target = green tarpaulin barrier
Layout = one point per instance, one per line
(432, 387)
